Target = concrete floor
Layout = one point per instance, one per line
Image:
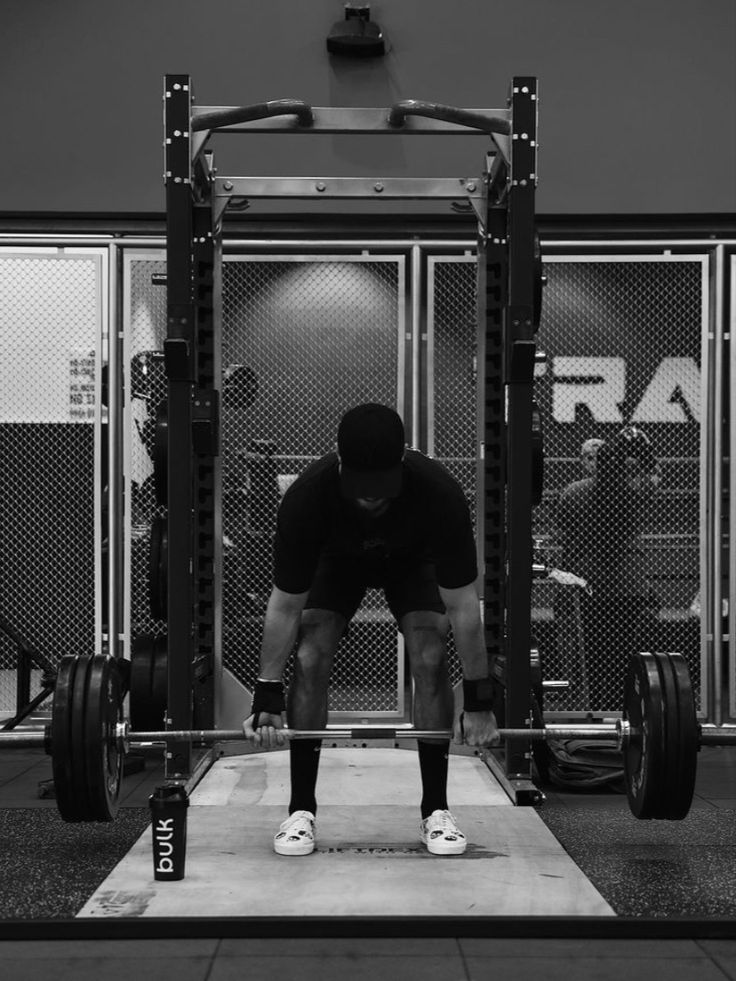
(335, 959)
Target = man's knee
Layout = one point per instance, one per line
(319, 637)
(426, 641)
(425, 632)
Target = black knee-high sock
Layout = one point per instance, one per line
(304, 766)
(433, 760)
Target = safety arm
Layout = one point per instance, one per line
(280, 628)
(463, 609)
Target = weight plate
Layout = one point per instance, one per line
(78, 738)
(161, 455)
(103, 756)
(149, 682)
(154, 557)
(141, 669)
(157, 568)
(541, 753)
(644, 753)
(682, 735)
(62, 757)
(160, 680)
(671, 724)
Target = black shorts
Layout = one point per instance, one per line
(341, 582)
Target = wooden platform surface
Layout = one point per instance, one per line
(369, 860)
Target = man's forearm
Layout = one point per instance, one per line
(471, 649)
(280, 630)
(463, 609)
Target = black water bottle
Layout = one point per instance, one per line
(169, 832)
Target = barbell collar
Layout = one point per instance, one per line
(32, 739)
(712, 735)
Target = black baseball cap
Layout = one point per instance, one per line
(371, 442)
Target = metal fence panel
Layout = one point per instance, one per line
(304, 338)
(452, 431)
(51, 321)
(623, 337)
(144, 381)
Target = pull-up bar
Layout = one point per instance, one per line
(409, 117)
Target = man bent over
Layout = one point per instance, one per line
(373, 514)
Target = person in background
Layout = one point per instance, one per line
(588, 454)
(599, 522)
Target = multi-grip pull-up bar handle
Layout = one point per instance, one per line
(247, 114)
(448, 114)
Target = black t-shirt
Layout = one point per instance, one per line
(428, 522)
(600, 535)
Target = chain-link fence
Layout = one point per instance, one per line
(51, 325)
(303, 340)
(144, 382)
(623, 339)
(452, 377)
(305, 337)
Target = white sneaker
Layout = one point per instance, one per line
(296, 835)
(441, 835)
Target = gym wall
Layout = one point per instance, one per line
(638, 97)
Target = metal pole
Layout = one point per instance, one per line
(181, 372)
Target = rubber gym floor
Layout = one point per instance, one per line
(672, 886)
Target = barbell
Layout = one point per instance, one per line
(88, 737)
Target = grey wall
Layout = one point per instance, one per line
(638, 97)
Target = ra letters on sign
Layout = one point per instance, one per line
(600, 384)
